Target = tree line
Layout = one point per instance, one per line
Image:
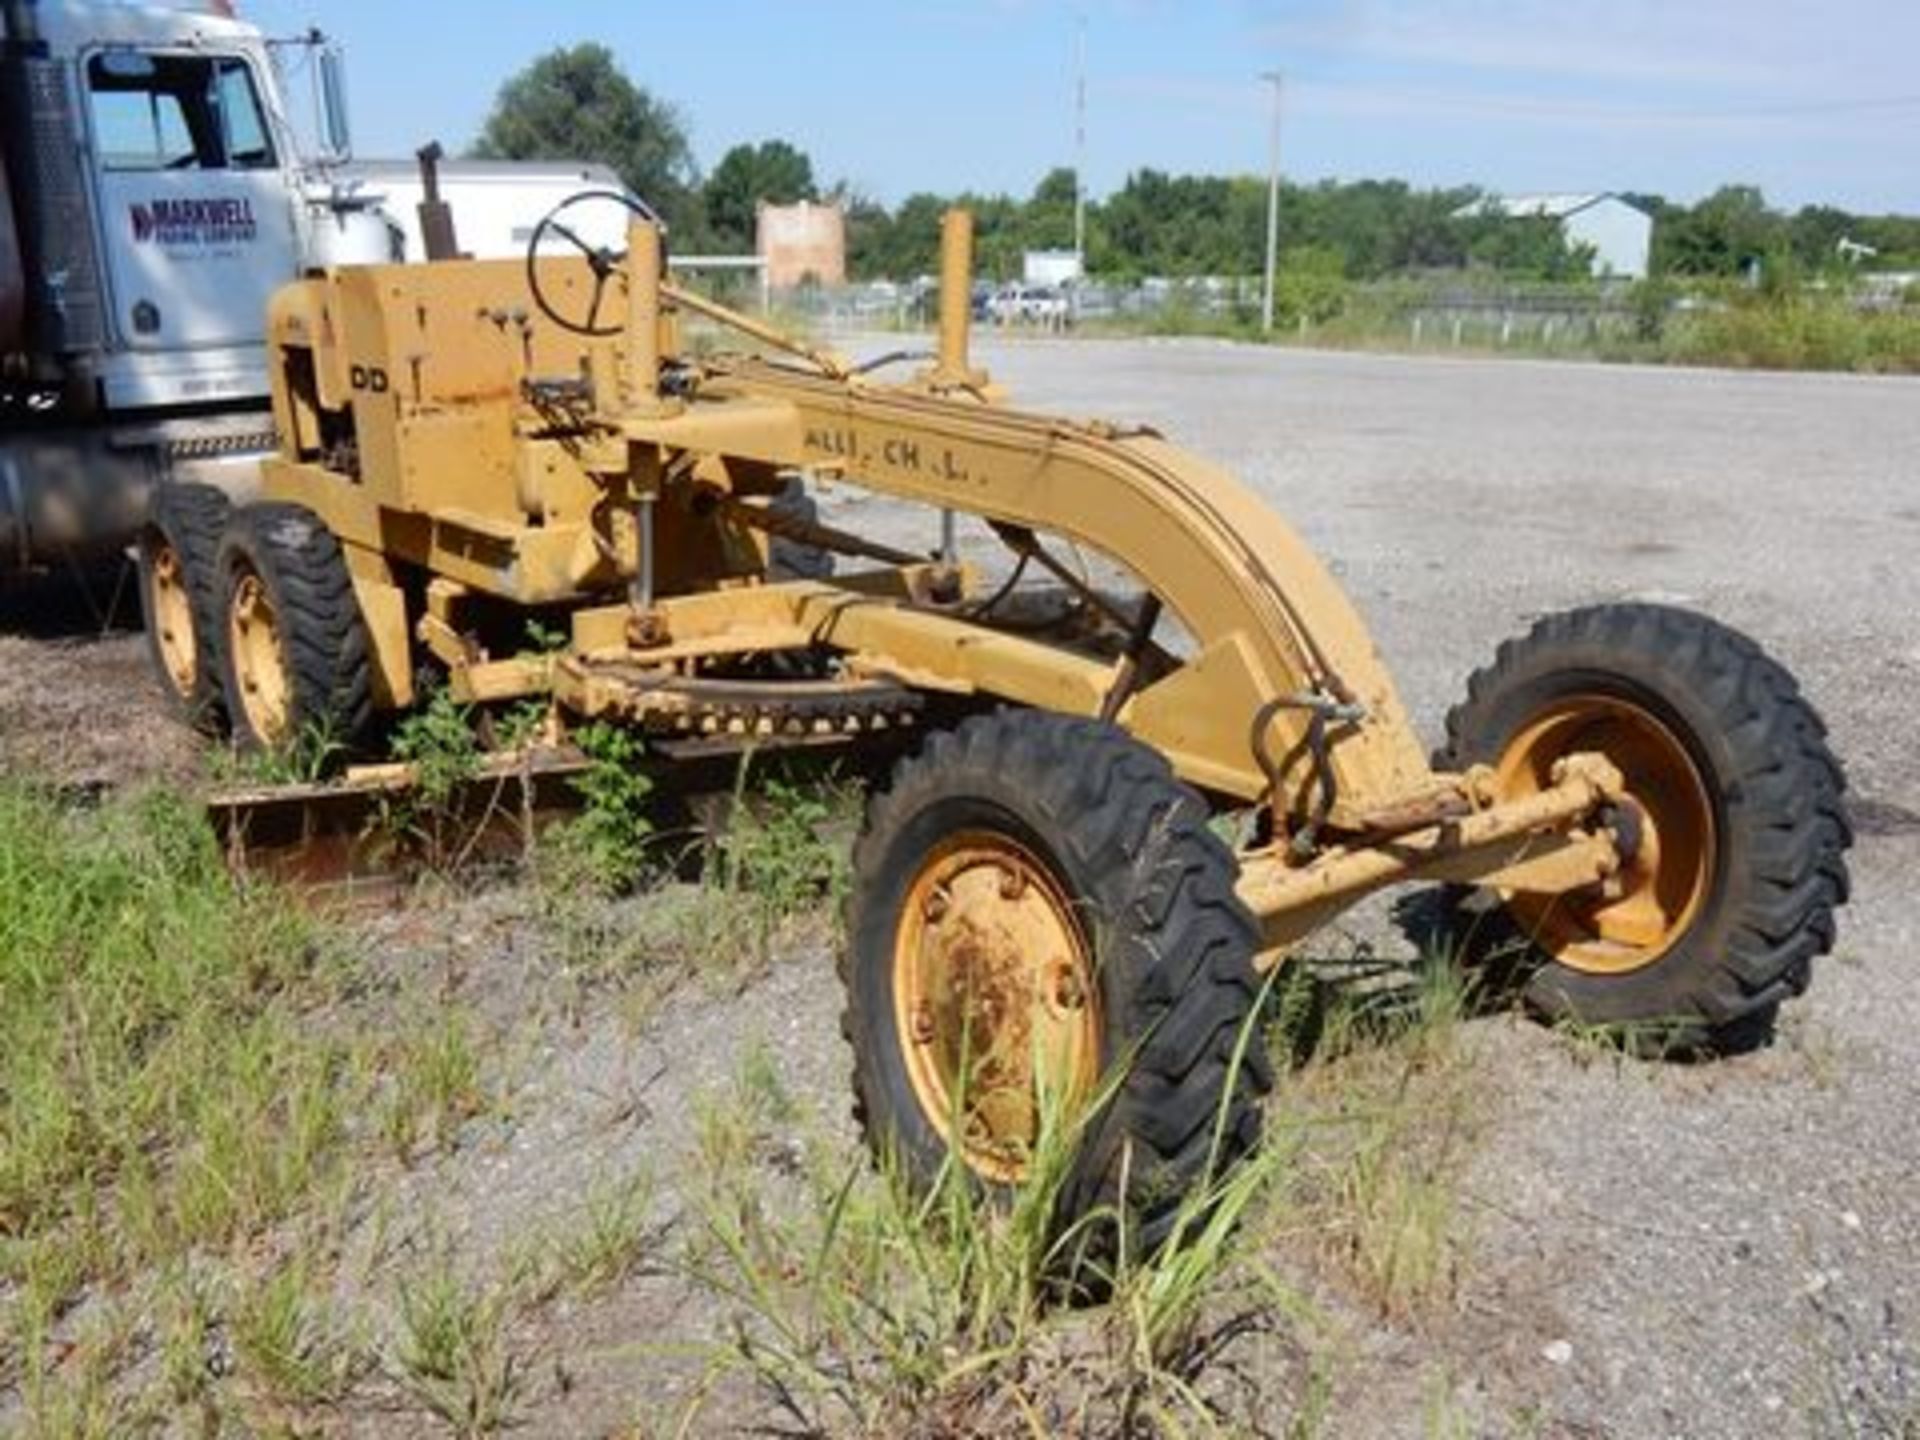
(577, 104)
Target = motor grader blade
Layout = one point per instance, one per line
(376, 825)
(358, 836)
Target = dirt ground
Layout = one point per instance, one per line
(1724, 1249)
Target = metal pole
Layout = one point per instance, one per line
(1080, 150)
(1273, 205)
(643, 313)
(956, 295)
(956, 315)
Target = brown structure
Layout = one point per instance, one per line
(803, 243)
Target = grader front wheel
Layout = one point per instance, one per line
(1732, 829)
(1042, 930)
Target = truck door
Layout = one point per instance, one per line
(197, 217)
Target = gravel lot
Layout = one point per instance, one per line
(1724, 1250)
(1720, 1250)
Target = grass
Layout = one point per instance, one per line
(772, 870)
(609, 842)
(153, 1091)
(1383, 1119)
(1793, 329)
(438, 740)
(777, 858)
(595, 1247)
(432, 1082)
(859, 1305)
(1796, 332)
(205, 1092)
(289, 1345)
(193, 1074)
(451, 1353)
(163, 1090)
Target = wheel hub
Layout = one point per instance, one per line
(997, 1011)
(171, 607)
(1666, 827)
(259, 666)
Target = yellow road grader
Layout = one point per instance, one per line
(1041, 903)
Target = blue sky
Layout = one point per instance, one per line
(1811, 102)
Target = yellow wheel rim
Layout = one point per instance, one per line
(1638, 915)
(995, 999)
(259, 662)
(171, 609)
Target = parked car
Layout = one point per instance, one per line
(1029, 305)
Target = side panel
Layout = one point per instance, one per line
(69, 494)
(13, 276)
(64, 306)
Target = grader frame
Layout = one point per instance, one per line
(479, 481)
(473, 459)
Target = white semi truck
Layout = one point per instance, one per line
(153, 195)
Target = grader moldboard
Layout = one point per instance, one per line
(1039, 900)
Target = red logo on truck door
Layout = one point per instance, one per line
(194, 222)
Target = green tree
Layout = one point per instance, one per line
(912, 244)
(1047, 219)
(772, 171)
(1535, 247)
(869, 232)
(575, 104)
(1722, 235)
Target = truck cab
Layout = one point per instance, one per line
(155, 197)
(148, 263)
(154, 194)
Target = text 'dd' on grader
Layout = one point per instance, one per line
(1039, 898)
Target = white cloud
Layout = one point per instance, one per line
(1727, 49)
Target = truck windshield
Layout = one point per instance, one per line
(176, 112)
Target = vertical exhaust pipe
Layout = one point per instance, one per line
(956, 296)
(436, 216)
(643, 312)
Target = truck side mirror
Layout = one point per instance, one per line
(336, 134)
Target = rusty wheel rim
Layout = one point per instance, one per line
(1638, 915)
(994, 996)
(171, 609)
(259, 665)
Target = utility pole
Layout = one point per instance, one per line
(1080, 148)
(1273, 205)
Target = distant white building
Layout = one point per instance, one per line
(1621, 233)
(1050, 267)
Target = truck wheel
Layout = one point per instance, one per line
(1735, 816)
(1037, 908)
(179, 550)
(298, 670)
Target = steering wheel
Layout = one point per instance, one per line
(602, 261)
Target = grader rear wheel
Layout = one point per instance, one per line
(179, 598)
(1733, 828)
(298, 671)
(1041, 928)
